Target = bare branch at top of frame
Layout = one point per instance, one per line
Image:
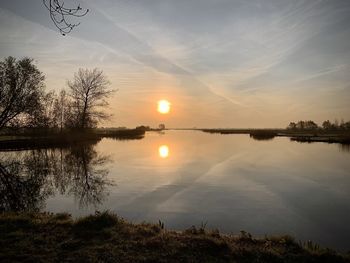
(60, 15)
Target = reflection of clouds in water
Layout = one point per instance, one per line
(233, 182)
(163, 151)
(262, 187)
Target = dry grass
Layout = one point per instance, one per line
(105, 237)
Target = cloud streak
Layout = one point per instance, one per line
(227, 62)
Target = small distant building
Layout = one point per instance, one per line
(161, 126)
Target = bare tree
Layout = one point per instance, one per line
(60, 110)
(43, 116)
(21, 90)
(89, 91)
(60, 14)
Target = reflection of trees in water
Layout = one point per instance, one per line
(345, 147)
(28, 178)
(262, 137)
(84, 175)
(21, 187)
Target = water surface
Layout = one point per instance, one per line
(185, 178)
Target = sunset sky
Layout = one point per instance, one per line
(220, 63)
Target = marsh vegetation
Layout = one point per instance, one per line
(105, 237)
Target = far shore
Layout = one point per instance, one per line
(29, 139)
(329, 136)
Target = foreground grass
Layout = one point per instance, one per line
(105, 237)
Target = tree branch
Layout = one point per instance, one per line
(59, 15)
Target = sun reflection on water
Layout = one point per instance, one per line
(163, 151)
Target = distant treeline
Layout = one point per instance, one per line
(326, 125)
(24, 102)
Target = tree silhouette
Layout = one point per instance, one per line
(88, 91)
(292, 126)
(21, 91)
(60, 110)
(327, 125)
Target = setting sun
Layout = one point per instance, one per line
(230, 111)
(163, 106)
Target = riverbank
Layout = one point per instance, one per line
(105, 237)
(30, 140)
(342, 137)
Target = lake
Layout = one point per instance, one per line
(185, 178)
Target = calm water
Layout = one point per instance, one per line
(184, 178)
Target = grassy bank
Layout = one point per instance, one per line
(343, 139)
(30, 140)
(107, 238)
(330, 136)
(46, 141)
(120, 134)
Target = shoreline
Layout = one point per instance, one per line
(28, 140)
(9, 142)
(341, 137)
(105, 237)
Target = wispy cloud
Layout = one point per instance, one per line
(249, 59)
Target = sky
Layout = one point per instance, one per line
(220, 63)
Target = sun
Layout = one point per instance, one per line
(163, 106)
